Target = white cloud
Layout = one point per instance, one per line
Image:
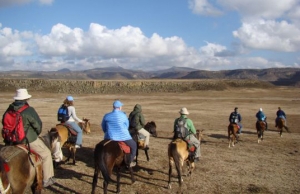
(203, 7)
(269, 35)
(266, 9)
(99, 41)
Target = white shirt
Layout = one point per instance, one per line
(72, 114)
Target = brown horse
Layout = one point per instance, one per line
(21, 169)
(107, 155)
(232, 134)
(151, 128)
(68, 137)
(260, 128)
(199, 134)
(281, 125)
(178, 152)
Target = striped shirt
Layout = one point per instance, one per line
(115, 126)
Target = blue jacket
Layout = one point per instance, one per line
(281, 113)
(115, 126)
(260, 116)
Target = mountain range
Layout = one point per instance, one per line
(277, 76)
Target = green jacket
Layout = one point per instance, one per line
(31, 120)
(138, 119)
(189, 124)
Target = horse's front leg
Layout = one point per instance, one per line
(73, 150)
(131, 175)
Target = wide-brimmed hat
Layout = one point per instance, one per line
(117, 104)
(260, 109)
(70, 98)
(184, 111)
(22, 94)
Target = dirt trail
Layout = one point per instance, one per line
(273, 166)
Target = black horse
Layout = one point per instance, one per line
(107, 155)
(151, 128)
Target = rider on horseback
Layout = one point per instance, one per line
(280, 115)
(191, 134)
(115, 127)
(236, 118)
(261, 117)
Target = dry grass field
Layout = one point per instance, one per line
(272, 166)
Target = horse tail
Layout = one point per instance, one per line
(3, 177)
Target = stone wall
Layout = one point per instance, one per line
(126, 86)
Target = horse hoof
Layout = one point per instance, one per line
(169, 186)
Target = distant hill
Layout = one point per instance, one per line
(277, 76)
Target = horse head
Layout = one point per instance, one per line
(151, 128)
(85, 125)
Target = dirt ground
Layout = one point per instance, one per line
(272, 166)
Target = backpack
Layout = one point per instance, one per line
(63, 113)
(13, 130)
(234, 118)
(132, 122)
(181, 130)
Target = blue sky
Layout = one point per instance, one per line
(48, 35)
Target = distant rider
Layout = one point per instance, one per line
(261, 117)
(280, 115)
(236, 118)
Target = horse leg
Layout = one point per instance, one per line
(73, 155)
(118, 180)
(147, 156)
(95, 178)
(37, 185)
(170, 172)
(229, 139)
(131, 175)
(105, 184)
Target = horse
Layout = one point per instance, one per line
(151, 128)
(232, 134)
(281, 125)
(180, 153)
(199, 134)
(107, 155)
(68, 138)
(260, 127)
(21, 169)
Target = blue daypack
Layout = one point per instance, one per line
(63, 113)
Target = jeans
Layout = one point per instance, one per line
(133, 146)
(76, 128)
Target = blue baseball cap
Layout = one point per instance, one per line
(117, 104)
(70, 98)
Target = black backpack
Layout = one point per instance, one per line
(63, 113)
(181, 130)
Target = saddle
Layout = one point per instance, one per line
(9, 152)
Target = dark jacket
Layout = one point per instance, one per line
(280, 113)
(31, 120)
(235, 117)
(137, 117)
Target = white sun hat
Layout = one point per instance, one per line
(184, 111)
(22, 94)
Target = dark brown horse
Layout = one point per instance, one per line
(151, 128)
(21, 169)
(260, 128)
(107, 155)
(68, 137)
(232, 134)
(281, 125)
(179, 153)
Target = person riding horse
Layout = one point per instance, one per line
(261, 117)
(190, 135)
(115, 127)
(33, 124)
(280, 114)
(236, 118)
